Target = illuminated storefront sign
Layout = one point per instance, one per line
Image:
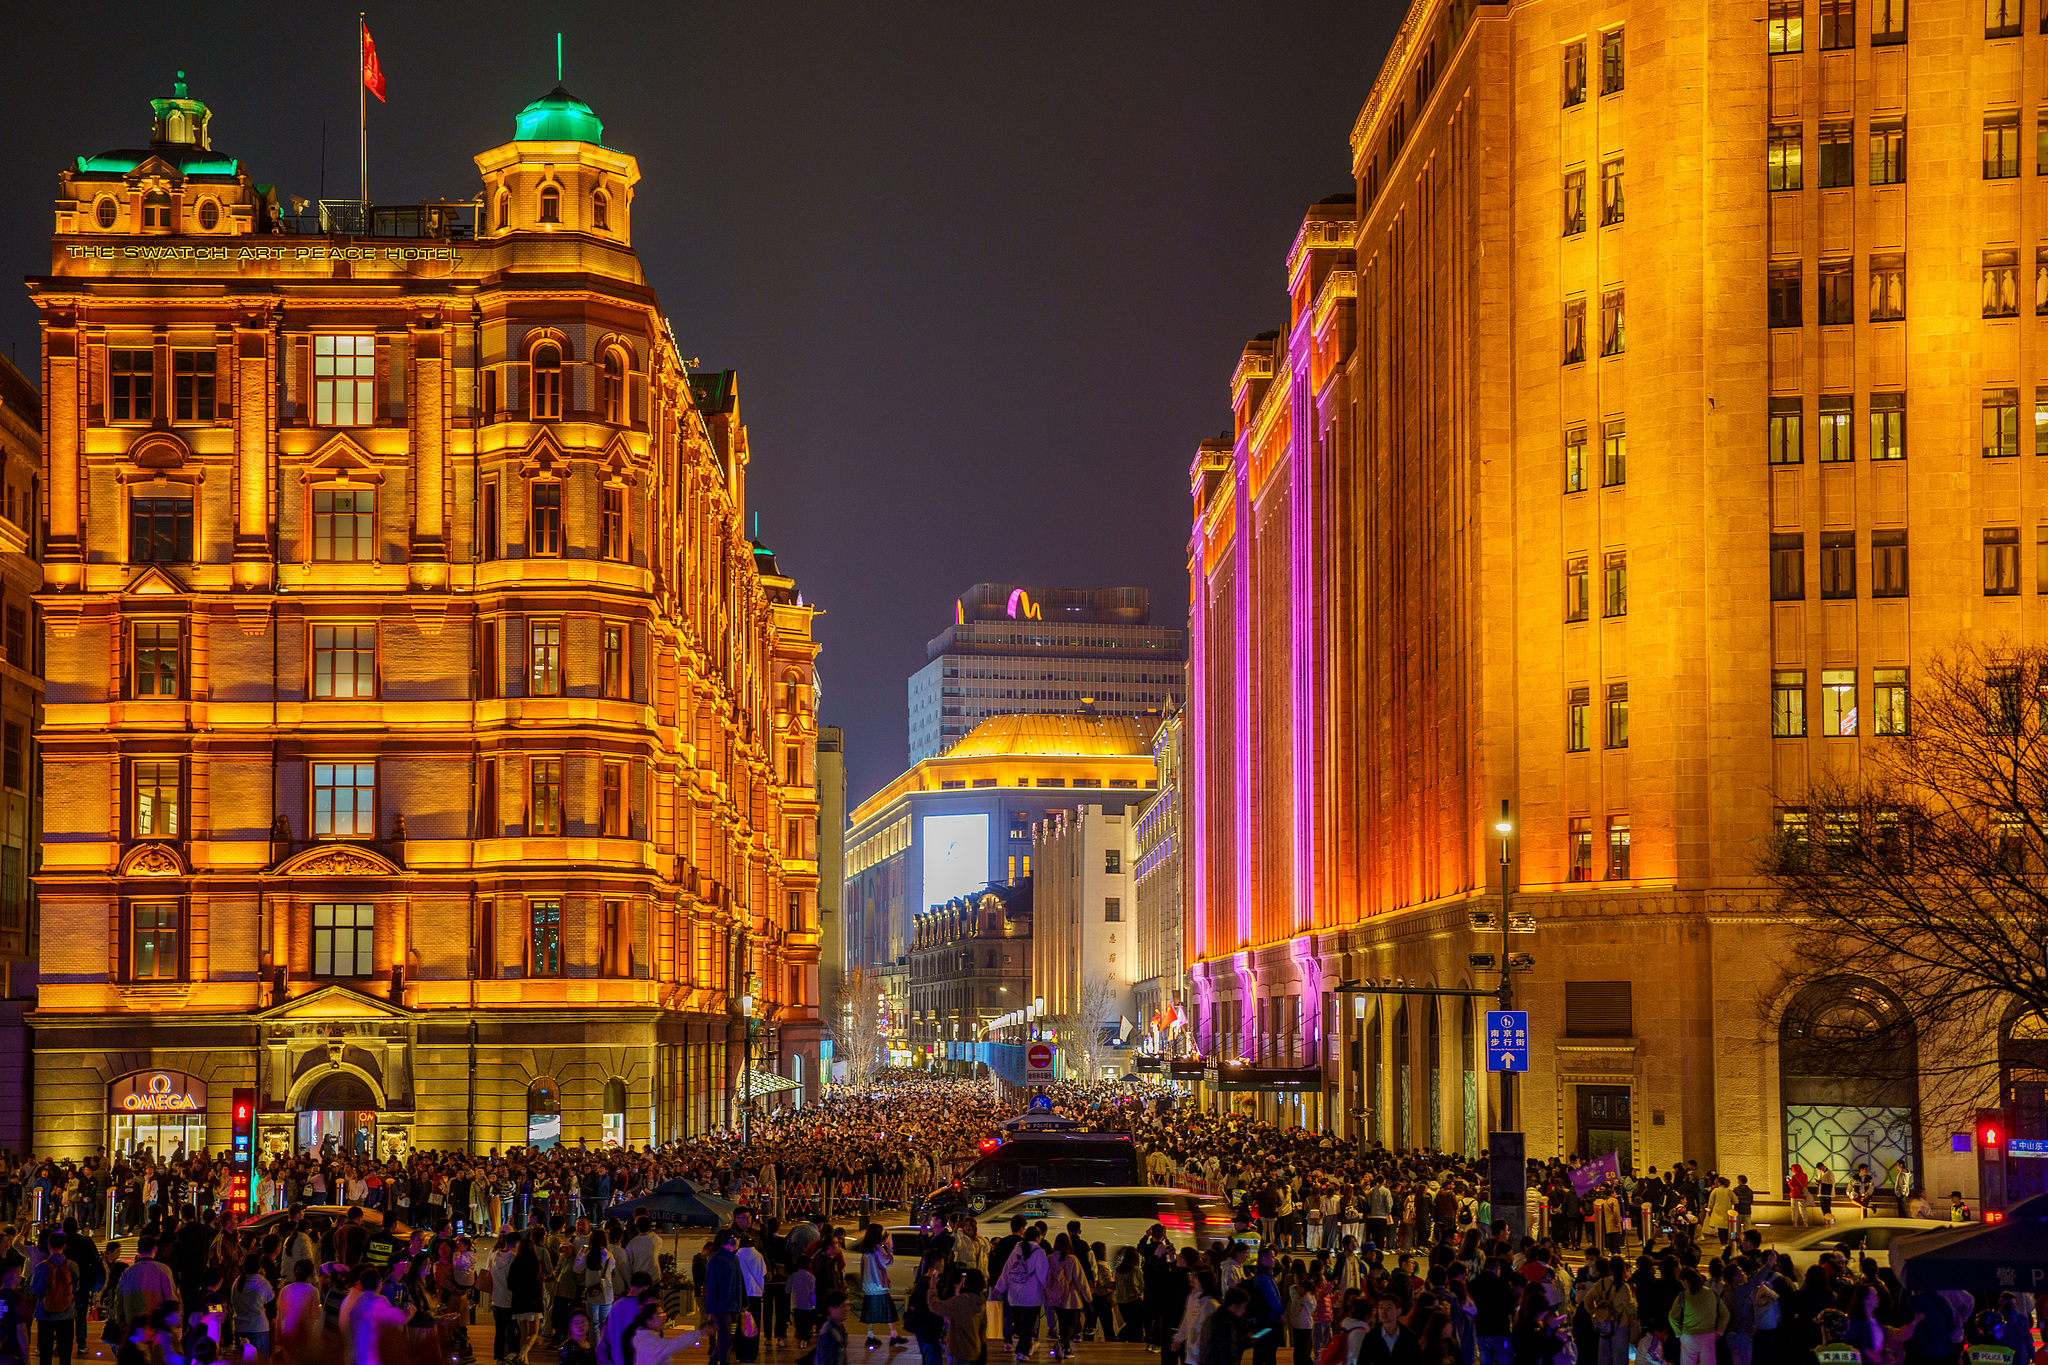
(157, 1092)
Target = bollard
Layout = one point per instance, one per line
(113, 1205)
(39, 1206)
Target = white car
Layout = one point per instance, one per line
(1117, 1216)
(1851, 1239)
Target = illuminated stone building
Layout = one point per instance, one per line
(21, 704)
(1084, 939)
(1014, 649)
(1158, 863)
(1585, 474)
(431, 749)
(954, 825)
(970, 962)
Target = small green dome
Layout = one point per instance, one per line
(558, 116)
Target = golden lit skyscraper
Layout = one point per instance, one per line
(432, 747)
(1665, 389)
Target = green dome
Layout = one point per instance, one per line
(558, 116)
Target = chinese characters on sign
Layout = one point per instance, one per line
(1507, 1040)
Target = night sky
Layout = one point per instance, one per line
(983, 269)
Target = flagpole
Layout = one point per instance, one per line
(363, 113)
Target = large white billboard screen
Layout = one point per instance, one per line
(955, 856)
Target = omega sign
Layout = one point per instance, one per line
(157, 1092)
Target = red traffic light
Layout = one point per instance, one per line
(1987, 1135)
(241, 1112)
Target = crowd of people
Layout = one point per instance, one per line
(1341, 1253)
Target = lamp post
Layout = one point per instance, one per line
(1506, 828)
(747, 1065)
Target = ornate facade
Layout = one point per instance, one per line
(970, 962)
(432, 750)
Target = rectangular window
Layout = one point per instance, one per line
(1617, 715)
(1614, 598)
(1613, 322)
(344, 800)
(1574, 74)
(156, 798)
(1887, 152)
(1576, 590)
(2041, 279)
(2001, 18)
(545, 658)
(154, 956)
(1888, 701)
(2001, 423)
(130, 381)
(1576, 704)
(1837, 24)
(1617, 848)
(1784, 24)
(1887, 22)
(1887, 563)
(2001, 144)
(1785, 295)
(487, 801)
(1783, 148)
(1613, 453)
(1788, 566)
(1837, 564)
(611, 524)
(544, 939)
(192, 386)
(1887, 426)
(1112, 909)
(487, 662)
(1579, 848)
(547, 518)
(1837, 428)
(17, 639)
(1837, 154)
(487, 533)
(612, 661)
(2001, 292)
(343, 939)
(1574, 331)
(1612, 209)
(2001, 561)
(547, 796)
(1574, 202)
(614, 947)
(1575, 460)
(1112, 861)
(160, 530)
(1611, 71)
(1837, 292)
(344, 381)
(345, 525)
(344, 661)
(1788, 705)
(612, 810)
(487, 940)
(1838, 701)
(1783, 440)
(159, 662)
(1887, 288)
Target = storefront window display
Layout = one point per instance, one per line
(156, 1113)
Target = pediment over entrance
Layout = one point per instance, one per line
(338, 860)
(334, 1002)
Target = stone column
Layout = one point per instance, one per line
(64, 554)
(255, 570)
(429, 412)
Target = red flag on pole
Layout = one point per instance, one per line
(373, 74)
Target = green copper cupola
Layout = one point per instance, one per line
(558, 116)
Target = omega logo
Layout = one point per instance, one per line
(158, 1097)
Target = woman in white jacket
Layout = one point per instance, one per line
(1194, 1319)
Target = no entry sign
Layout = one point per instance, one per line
(1038, 1062)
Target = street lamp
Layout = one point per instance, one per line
(1505, 827)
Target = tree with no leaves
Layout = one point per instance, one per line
(1917, 886)
(1081, 1030)
(860, 1043)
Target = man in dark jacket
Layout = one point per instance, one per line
(1227, 1330)
(1387, 1342)
(1264, 1314)
(1493, 1325)
(725, 1294)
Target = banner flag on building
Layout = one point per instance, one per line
(1595, 1173)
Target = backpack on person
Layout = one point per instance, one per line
(58, 1288)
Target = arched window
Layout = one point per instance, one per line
(1848, 1063)
(543, 1113)
(1401, 1092)
(209, 215)
(1469, 1050)
(105, 212)
(547, 382)
(504, 210)
(1435, 1035)
(598, 207)
(2023, 1057)
(614, 388)
(1376, 1078)
(551, 205)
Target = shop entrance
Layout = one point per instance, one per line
(1604, 1122)
(159, 1114)
(338, 1117)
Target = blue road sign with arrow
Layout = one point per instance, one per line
(1507, 1040)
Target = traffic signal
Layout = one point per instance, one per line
(242, 1151)
(1993, 1127)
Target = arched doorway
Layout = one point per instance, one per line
(1847, 1061)
(338, 1115)
(1403, 1115)
(1436, 1075)
(1376, 1079)
(543, 1113)
(1468, 1051)
(614, 1113)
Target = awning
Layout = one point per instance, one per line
(1242, 1079)
(756, 1083)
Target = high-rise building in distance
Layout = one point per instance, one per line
(1017, 649)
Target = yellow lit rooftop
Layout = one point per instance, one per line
(1052, 735)
(1035, 749)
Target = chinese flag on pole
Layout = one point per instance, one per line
(373, 74)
